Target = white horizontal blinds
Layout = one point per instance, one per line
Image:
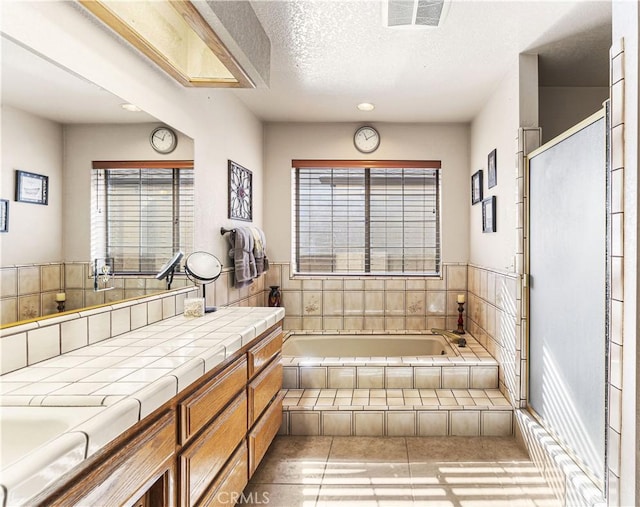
(330, 220)
(147, 216)
(362, 220)
(404, 220)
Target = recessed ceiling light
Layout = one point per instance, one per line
(366, 106)
(131, 107)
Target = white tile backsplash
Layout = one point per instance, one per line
(120, 321)
(13, 352)
(99, 327)
(43, 343)
(74, 334)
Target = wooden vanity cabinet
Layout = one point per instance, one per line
(198, 449)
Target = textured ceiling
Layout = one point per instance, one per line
(327, 56)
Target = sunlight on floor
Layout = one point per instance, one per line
(399, 471)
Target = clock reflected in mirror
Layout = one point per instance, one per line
(240, 192)
(163, 139)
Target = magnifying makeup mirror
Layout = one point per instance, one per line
(203, 268)
(169, 268)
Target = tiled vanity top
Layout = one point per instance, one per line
(179, 350)
(119, 381)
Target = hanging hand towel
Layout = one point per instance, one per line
(243, 259)
(259, 250)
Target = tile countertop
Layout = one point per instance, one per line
(122, 379)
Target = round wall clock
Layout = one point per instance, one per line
(366, 139)
(240, 192)
(163, 140)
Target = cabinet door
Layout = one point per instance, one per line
(230, 482)
(264, 432)
(205, 456)
(198, 409)
(263, 388)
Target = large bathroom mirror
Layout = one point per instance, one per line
(57, 124)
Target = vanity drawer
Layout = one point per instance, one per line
(264, 432)
(230, 482)
(259, 355)
(199, 408)
(205, 456)
(263, 388)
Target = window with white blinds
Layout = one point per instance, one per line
(141, 215)
(376, 218)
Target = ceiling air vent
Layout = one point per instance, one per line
(401, 13)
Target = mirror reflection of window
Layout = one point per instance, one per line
(141, 215)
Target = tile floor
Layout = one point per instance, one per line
(396, 472)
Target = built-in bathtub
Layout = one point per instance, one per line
(320, 360)
(367, 345)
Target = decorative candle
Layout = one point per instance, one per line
(460, 298)
(61, 296)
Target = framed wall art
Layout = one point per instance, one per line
(476, 187)
(4, 215)
(489, 214)
(492, 169)
(240, 192)
(31, 187)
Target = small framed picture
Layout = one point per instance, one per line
(492, 168)
(4, 215)
(31, 187)
(476, 187)
(489, 214)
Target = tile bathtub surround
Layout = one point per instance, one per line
(493, 319)
(395, 471)
(470, 367)
(369, 303)
(396, 412)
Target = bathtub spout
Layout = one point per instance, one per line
(453, 337)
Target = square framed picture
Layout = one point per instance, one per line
(489, 214)
(4, 215)
(240, 192)
(492, 169)
(476, 187)
(31, 187)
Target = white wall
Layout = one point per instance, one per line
(563, 107)
(32, 144)
(496, 127)
(448, 143)
(219, 124)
